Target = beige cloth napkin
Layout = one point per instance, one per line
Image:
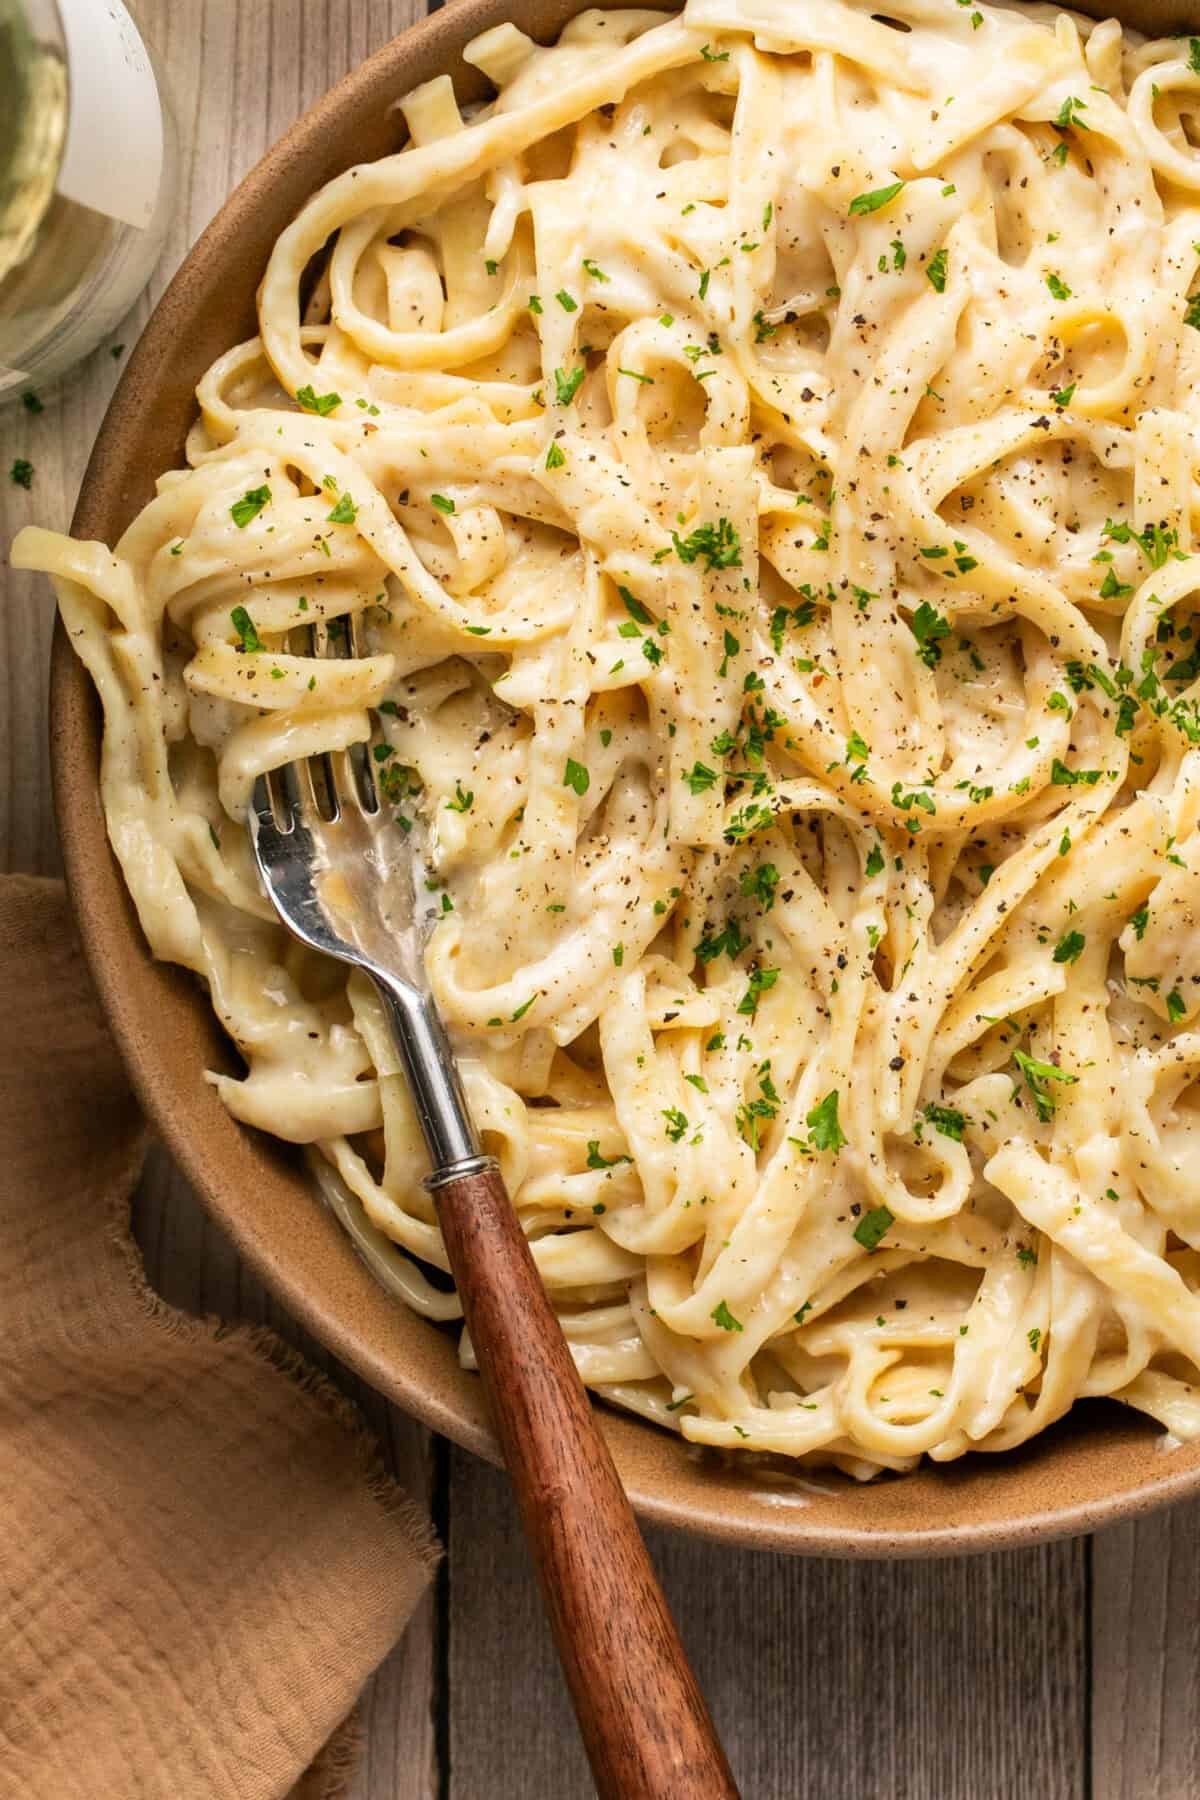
(200, 1559)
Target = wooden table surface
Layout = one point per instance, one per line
(1058, 1672)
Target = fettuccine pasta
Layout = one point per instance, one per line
(758, 453)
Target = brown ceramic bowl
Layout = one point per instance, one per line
(1100, 1466)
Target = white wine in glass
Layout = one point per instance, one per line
(86, 172)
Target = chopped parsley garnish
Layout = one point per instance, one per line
(760, 884)
(344, 513)
(677, 1123)
(313, 402)
(874, 861)
(243, 624)
(700, 778)
(1156, 543)
(1070, 947)
(634, 607)
(714, 56)
(929, 627)
(463, 801)
(554, 457)
(718, 544)
(872, 201)
(576, 776)
(567, 386)
(566, 302)
(522, 1009)
(760, 981)
(1058, 287)
(596, 1161)
(1175, 1006)
(1139, 920)
(1061, 776)
(1062, 396)
(935, 269)
(873, 1227)
(594, 269)
(442, 503)
(1068, 114)
(1026, 1257)
(1037, 1074)
(722, 1316)
(726, 942)
(822, 1121)
(249, 506)
(946, 1119)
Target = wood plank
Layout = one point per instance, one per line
(191, 1263)
(930, 1681)
(236, 77)
(1145, 1658)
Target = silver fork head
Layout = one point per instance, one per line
(342, 884)
(337, 868)
(340, 876)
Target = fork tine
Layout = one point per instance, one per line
(296, 783)
(332, 809)
(265, 821)
(343, 638)
(360, 753)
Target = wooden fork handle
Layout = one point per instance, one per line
(644, 1722)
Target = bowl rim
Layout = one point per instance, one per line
(325, 1291)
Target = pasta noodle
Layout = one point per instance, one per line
(757, 451)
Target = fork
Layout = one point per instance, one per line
(340, 875)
